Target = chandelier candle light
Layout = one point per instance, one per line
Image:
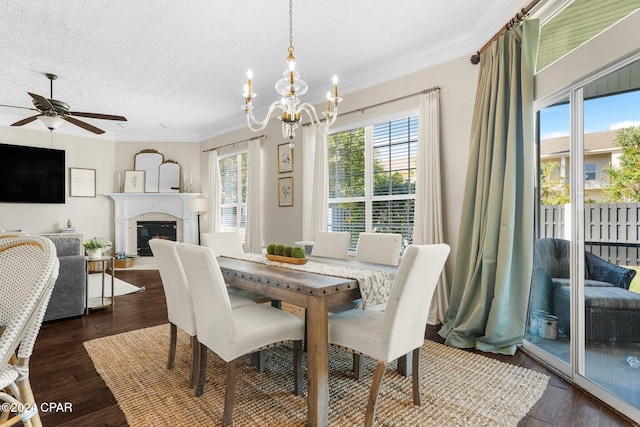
(290, 87)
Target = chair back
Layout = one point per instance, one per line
(210, 298)
(223, 242)
(410, 298)
(379, 248)
(174, 282)
(10, 234)
(331, 244)
(28, 271)
(553, 256)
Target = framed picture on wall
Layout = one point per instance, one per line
(285, 191)
(134, 181)
(82, 182)
(285, 158)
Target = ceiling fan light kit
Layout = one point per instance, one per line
(53, 112)
(290, 87)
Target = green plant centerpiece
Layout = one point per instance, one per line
(94, 244)
(94, 247)
(282, 253)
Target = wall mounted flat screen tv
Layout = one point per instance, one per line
(31, 174)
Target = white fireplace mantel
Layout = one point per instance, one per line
(130, 205)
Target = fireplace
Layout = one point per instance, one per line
(131, 208)
(147, 230)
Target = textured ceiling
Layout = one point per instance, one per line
(183, 63)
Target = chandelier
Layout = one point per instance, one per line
(290, 109)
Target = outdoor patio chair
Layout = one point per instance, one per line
(612, 312)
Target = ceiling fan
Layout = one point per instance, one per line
(53, 112)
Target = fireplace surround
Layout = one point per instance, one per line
(133, 207)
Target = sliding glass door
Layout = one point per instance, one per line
(611, 182)
(553, 232)
(584, 309)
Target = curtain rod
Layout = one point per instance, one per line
(234, 143)
(519, 17)
(422, 92)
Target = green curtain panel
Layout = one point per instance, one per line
(491, 278)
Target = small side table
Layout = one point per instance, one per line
(104, 301)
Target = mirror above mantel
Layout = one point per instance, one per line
(169, 177)
(149, 161)
(161, 176)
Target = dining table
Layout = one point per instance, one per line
(316, 293)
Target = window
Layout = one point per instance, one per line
(233, 198)
(372, 179)
(590, 171)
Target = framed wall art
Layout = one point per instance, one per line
(82, 182)
(285, 191)
(134, 181)
(285, 158)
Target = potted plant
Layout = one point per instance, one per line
(94, 248)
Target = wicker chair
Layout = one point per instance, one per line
(28, 271)
(612, 312)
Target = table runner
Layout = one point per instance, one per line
(374, 285)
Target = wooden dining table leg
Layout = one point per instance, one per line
(318, 362)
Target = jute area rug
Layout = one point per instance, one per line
(458, 388)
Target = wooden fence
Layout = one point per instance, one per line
(611, 230)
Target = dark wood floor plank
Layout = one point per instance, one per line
(62, 371)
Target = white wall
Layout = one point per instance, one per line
(457, 80)
(92, 216)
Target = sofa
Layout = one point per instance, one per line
(612, 312)
(69, 291)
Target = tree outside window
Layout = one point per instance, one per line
(624, 179)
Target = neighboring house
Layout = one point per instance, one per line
(599, 151)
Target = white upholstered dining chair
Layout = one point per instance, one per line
(400, 328)
(379, 248)
(376, 248)
(28, 271)
(229, 243)
(331, 244)
(223, 242)
(179, 303)
(233, 332)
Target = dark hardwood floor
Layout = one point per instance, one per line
(62, 372)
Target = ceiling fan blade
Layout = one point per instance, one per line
(44, 102)
(84, 125)
(15, 106)
(27, 120)
(98, 116)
